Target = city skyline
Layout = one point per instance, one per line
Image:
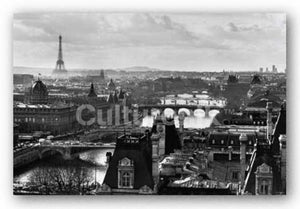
(167, 41)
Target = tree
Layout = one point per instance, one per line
(69, 179)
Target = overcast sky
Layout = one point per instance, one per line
(170, 41)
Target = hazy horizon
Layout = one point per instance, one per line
(166, 41)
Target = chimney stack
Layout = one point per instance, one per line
(181, 122)
(269, 121)
(282, 140)
(243, 141)
(230, 153)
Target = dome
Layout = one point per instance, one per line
(38, 93)
(39, 88)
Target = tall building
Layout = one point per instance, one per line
(261, 69)
(274, 69)
(267, 69)
(102, 75)
(60, 70)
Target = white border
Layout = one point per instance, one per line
(7, 200)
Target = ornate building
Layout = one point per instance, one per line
(130, 168)
(266, 173)
(37, 94)
(37, 114)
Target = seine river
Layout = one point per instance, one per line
(94, 160)
(198, 120)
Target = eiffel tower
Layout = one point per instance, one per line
(60, 65)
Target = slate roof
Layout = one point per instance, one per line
(140, 153)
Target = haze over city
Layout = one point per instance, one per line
(166, 41)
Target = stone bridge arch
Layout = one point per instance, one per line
(186, 112)
(65, 152)
(169, 112)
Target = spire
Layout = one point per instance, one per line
(92, 92)
(102, 74)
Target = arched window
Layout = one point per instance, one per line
(126, 173)
(126, 179)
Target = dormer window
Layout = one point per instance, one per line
(263, 180)
(126, 173)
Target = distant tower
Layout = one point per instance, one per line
(102, 75)
(60, 65)
(274, 69)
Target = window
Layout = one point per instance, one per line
(125, 179)
(125, 173)
(264, 188)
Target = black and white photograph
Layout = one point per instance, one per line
(149, 103)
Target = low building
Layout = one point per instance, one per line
(57, 118)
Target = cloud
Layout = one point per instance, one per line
(165, 39)
(114, 30)
(234, 28)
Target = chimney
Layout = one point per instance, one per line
(181, 122)
(155, 157)
(282, 140)
(243, 141)
(108, 157)
(230, 153)
(269, 121)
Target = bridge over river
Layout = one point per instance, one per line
(188, 109)
(70, 151)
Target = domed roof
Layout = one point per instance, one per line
(39, 88)
(111, 85)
